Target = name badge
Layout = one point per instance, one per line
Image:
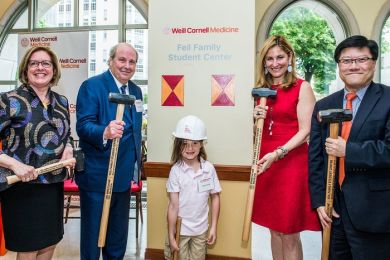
(205, 184)
(139, 106)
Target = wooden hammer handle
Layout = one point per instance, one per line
(110, 182)
(45, 169)
(177, 236)
(253, 176)
(330, 180)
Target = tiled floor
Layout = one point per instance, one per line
(68, 248)
(261, 246)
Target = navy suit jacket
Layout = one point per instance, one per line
(366, 186)
(94, 112)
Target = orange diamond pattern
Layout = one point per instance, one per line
(222, 90)
(172, 90)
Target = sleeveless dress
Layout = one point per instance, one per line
(282, 201)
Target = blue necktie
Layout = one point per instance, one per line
(123, 89)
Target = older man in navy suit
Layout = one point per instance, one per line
(96, 127)
(361, 216)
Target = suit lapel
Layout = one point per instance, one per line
(132, 92)
(111, 82)
(337, 103)
(368, 103)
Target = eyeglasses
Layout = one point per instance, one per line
(349, 61)
(44, 63)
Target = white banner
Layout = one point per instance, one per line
(202, 62)
(72, 52)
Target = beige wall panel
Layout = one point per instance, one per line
(4, 5)
(365, 12)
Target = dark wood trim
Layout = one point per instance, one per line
(158, 254)
(225, 172)
(154, 254)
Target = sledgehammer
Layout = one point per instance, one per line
(8, 178)
(121, 100)
(333, 117)
(263, 94)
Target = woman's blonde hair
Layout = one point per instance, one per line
(23, 66)
(265, 79)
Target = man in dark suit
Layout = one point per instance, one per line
(361, 216)
(96, 127)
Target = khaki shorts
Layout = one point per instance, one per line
(191, 248)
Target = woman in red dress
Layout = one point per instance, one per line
(282, 201)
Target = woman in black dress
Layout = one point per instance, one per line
(35, 131)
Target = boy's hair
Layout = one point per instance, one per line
(178, 147)
(357, 41)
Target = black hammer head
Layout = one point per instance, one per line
(334, 115)
(79, 156)
(263, 92)
(121, 98)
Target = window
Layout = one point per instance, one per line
(133, 16)
(139, 68)
(8, 59)
(92, 66)
(311, 27)
(105, 15)
(50, 15)
(22, 22)
(139, 39)
(93, 36)
(105, 56)
(385, 53)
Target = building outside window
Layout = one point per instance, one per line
(100, 17)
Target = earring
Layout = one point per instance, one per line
(289, 68)
(265, 70)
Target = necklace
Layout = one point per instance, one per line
(271, 122)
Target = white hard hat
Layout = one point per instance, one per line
(190, 127)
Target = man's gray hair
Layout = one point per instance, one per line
(115, 47)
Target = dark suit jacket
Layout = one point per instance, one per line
(94, 112)
(366, 186)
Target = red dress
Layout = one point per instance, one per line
(282, 201)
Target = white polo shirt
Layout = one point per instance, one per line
(194, 190)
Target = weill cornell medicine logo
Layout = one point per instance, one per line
(25, 42)
(200, 30)
(38, 41)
